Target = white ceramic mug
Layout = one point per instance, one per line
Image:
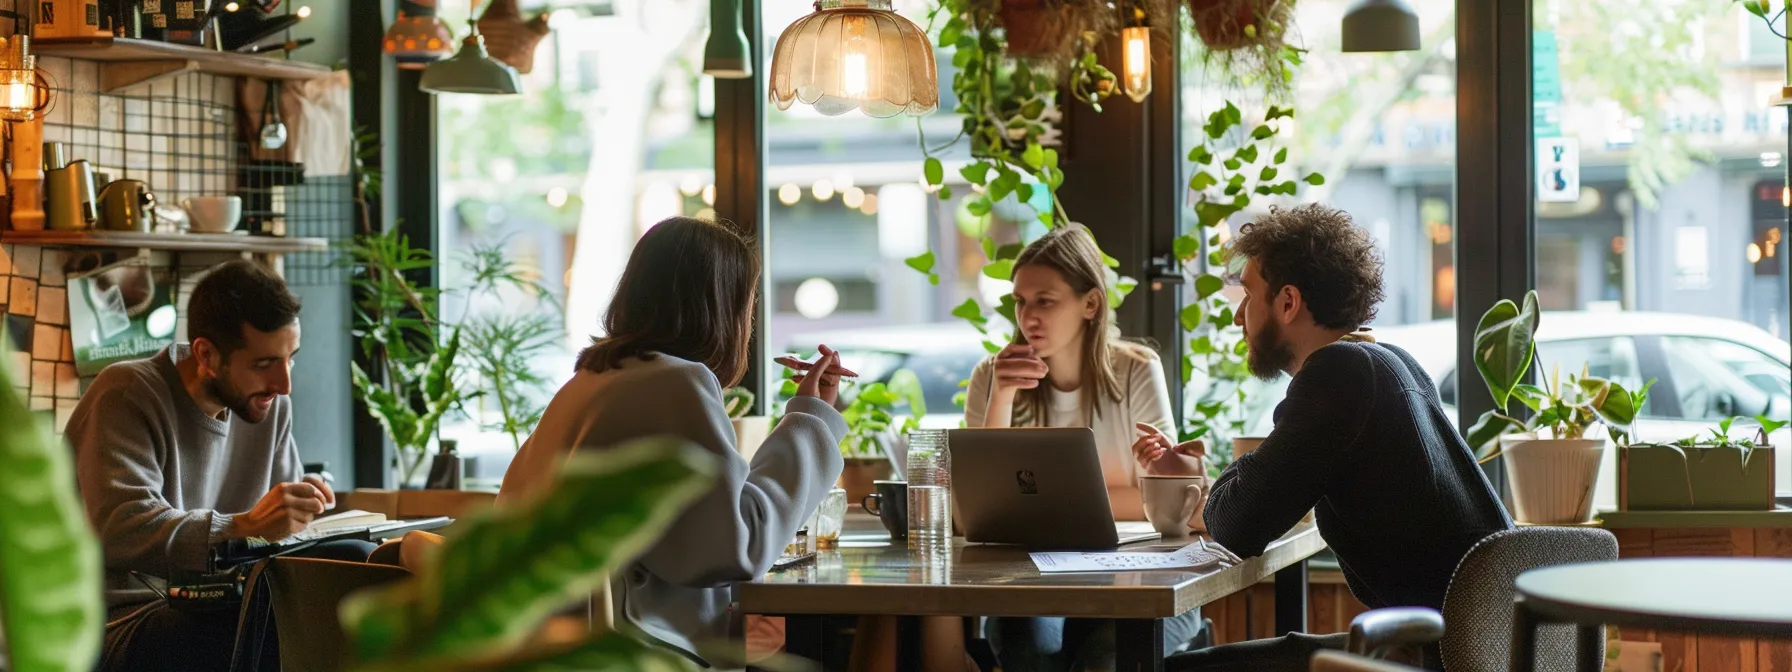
(213, 214)
(1171, 501)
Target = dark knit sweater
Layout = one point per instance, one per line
(1363, 438)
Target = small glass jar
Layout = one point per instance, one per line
(829, 518)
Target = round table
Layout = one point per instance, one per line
(1738, 597)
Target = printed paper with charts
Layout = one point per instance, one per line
(1193, 557)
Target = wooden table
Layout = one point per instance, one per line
(1722, 596)
(868, 575)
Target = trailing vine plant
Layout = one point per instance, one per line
(1233, 168)
(1010, 108)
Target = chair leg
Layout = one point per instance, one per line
(1590, 640)
(1524, 638)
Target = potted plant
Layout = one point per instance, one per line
(422, 367)
(1705, 473)
(872, 428)
(1552, 461)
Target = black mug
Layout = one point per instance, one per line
(892, 507)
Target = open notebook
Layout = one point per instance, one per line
(337, 523)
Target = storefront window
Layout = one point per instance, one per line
(610, 135)
(1659, 215)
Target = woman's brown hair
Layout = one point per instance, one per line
(1071, 252)
(688, 291)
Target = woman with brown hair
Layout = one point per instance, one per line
(677, 333)
(1067, 367)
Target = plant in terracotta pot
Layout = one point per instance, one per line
(1248, 40)
(1553, 463)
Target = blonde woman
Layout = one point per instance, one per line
(1067, 367)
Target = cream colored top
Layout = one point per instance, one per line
(1145, 397)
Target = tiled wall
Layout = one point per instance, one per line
(35, 309)
(175, 135)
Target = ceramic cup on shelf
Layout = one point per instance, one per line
(213, 214)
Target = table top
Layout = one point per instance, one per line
(1735, 596)
(868, 574)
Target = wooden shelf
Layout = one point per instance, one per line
(126, 62)
(188, 242)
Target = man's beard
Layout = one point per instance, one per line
(1269, 355)
(232, 398)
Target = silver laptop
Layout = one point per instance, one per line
(1037, 487)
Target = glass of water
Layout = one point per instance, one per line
(929, 487)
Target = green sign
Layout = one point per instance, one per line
(1546, 85)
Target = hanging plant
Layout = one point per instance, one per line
(1248, 41)
(1010, 111)
(1236, 164)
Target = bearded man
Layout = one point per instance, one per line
(1361, 436)
(186, 450)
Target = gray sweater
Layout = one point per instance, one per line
(160, 478)
(679, 592)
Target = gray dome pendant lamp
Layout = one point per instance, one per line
(471, 70)
(1380, 25)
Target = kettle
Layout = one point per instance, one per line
(70, 200)
(127, 205)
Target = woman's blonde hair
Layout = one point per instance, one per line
(1071, 251)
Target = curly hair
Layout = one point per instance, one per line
(1321, 252)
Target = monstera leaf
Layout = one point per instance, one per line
(50, 604)
(1504, 346)
(510, 568)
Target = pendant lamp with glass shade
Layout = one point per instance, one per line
(1380, 25)
(471, 70)
(418, 37)
(855, 55)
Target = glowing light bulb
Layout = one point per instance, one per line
(789, 194)
(709, 194)
(305, 12)
(855, 78)
(1137, 65)
(823, 189)
(853, 197)
(1754, 253)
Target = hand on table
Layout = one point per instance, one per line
(1158, 455)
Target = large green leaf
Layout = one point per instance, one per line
(511, 567)
(1504, 346)
(50, 607)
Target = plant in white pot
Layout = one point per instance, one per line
(1551, 458)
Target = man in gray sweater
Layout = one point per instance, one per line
(187, 449)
